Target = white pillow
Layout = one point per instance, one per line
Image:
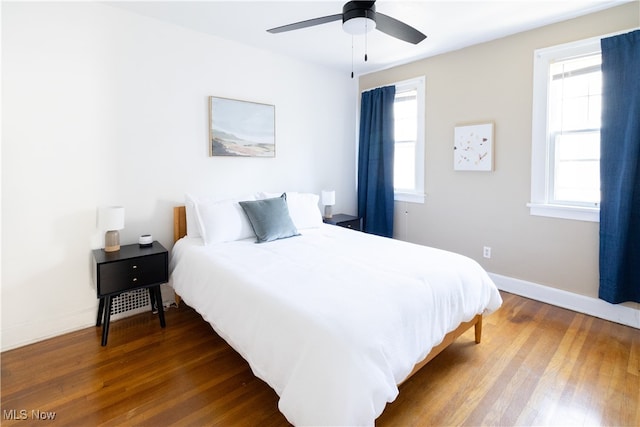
(193, 224)
(266, 195)
(223, 221)
(304, 210)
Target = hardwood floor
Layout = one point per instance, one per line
(537, 365)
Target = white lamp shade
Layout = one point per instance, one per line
(112, 218)
(328, 197)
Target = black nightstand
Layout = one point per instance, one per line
(347, 221)
(132, 267)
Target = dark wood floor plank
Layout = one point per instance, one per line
(537, 365)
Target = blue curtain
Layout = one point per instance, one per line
(375, 161)
(620, 169)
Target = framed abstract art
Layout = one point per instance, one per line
(473, 147)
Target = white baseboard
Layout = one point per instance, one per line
(592, 306)
(32, 331)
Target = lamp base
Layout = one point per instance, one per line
(112, 241)
(328, 211)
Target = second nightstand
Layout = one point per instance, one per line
(347, 221)
(132, 267)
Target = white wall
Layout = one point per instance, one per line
(101, 106)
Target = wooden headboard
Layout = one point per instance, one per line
(179, 223)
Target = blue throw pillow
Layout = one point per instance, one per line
(270, 219)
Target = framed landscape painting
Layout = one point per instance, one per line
(241, 128)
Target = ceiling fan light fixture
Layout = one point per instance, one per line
(359, 25)
(360, 17)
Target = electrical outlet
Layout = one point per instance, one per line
(486, 252)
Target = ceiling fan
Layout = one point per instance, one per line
(360, 17)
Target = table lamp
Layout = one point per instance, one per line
(112, 220)
(328, 200)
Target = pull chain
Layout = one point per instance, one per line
(366, 32)
(351, 56)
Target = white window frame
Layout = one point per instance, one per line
(541, 203)
(417, 195)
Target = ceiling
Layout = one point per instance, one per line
(449, 25)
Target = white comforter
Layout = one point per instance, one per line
(334, 319)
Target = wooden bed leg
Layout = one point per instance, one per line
(478, 329)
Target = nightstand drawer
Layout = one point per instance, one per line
(353, 224)
(132, 273)
(346, 221)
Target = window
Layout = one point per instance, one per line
(567, 97)
(408, 168)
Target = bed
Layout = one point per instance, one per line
(332, 319)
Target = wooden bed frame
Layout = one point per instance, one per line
(180, 230)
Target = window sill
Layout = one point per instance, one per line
(399, 196)
(578, 213)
